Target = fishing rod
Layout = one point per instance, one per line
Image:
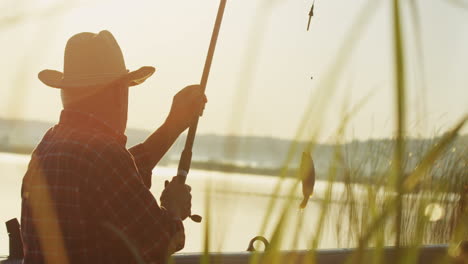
(186, 156)
(311, 14)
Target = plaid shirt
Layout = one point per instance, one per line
(86, 199)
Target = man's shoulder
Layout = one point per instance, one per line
(87, 143)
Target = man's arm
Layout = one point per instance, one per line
(128, 211)
(187, 105)
(158, 143)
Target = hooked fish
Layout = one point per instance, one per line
(307, 174)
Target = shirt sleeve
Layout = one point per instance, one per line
(127, 206)
(141, 157)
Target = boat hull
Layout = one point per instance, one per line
(426, 255)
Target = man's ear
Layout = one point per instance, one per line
(121, 103)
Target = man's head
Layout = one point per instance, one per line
(109, 103)
(95, 78)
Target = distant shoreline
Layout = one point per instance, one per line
(200, 165)
(290, 173)
(360, 162)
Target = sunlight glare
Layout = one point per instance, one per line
(434, 212)
(12, 158)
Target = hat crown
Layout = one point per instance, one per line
(88, 54)
(93, 61)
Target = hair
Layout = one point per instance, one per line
(109, 103)
(74, 98)
(71, 98)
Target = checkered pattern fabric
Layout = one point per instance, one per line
(86, 199)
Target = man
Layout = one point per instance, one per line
(85, 197)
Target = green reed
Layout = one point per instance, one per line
(392, 209)
(404, 184)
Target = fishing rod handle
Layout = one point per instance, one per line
(181, 178)
(184, 165)
(186, 156)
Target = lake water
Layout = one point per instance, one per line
(238, 203)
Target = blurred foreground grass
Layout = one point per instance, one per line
(418, 200)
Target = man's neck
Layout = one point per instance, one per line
(105, 115)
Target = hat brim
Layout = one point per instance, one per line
(56, 79)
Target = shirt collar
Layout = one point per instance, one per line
(89, 121)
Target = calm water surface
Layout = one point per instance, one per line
(238, 203)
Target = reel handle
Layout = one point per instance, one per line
(181, 179)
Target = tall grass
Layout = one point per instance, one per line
(417, 197)
(408, 187)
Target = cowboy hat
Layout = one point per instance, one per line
(93, 60)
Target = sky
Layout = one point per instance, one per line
(267, 68)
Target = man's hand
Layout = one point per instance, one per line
(187, 105)
(177, 200)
